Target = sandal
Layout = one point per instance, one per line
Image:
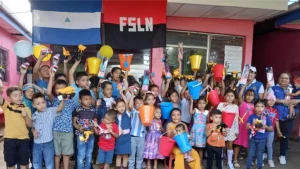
(236, 164)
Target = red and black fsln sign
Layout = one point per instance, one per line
(135, 24)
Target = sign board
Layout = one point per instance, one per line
(234, 57)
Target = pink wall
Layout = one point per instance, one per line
(7, 42)
(207, 25)
(279, 49)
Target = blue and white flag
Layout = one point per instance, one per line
(66, 22)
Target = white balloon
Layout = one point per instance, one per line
(23, 49)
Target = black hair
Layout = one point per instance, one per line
(84, 92)
(92, 86)
(115, 69)
(260, 101)
(78, 75)
(117, 101)
(133, 83)
(137, 98)
(180, 125)
(148, 94)
(230, 91)
(103, 85)
(60, 82)
(152, 86)
(112, 113)
(94, 80)
(171, 91)
(215, 112)
(175, 109)
(201, 98)
(58, 75)
(37, 95)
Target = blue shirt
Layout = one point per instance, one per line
(137, 128)
(42, 83)
(115, 93)
(28, 103)
(63, 122)
(42, 122)
(261, 133)
(77, 90)
(84, 118)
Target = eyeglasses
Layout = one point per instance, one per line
(284, 78)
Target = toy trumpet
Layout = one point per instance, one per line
(78, 53)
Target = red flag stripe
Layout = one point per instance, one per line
(138, 11)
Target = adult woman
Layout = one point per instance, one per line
(179, 156)
(286, 112)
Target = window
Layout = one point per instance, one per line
(212, 47)
(3, 64)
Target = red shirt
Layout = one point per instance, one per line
(272, 114)
(107, 141)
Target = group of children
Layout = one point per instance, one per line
(106, 115)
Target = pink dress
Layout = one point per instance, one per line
(245, 110)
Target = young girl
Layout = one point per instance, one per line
(179, 157)
(149, 99)
(123, 145)
(246, 108)
(258, 124)
(233, 132)
(115, 80)
(272, 113)
(173, 96)
(106, 100)
(198, 132)
(152, 140)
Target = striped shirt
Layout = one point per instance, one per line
(137, 128)
(42, 122)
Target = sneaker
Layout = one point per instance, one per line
(282, 160)
(230, 166)
(265, 156)
(271, 164)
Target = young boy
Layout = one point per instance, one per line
(16, 138)
(83, 118)
(42, 123)
(62, 126)
(108, 132)
(41, 73)
(138, 133)
(81, 82)
(215, 139)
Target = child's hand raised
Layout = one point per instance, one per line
(52, 73)
(23, 70)
(98, 104)
(67, 59)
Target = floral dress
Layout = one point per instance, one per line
(198, 132)
(231, 108)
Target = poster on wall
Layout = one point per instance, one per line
(234, 57)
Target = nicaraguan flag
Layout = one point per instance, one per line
(66, 22)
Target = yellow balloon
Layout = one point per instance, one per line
(106, 51)
(37, 51)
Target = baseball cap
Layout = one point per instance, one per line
(27, 86)
(271, 96)
(44, 66)
(253, 69)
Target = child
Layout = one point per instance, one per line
(257, 125)
(149, 98)
(81, 82)
(155, 90)
(179, 157)
(200, 116)
(246, 109)
(42, 123)
(152, 140)
(63, 126)
(108, 132)
(123, 121)
(173, 96)
(82, 122)
(115, 80)
(17, 120)
(215, 139)
(233, 131)
(179, 130)
(185, 106)
(107, 100)
(138, 132)
(272, 113)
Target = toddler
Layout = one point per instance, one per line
(180, 128)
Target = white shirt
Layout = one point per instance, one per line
(185, 110)
(109, 102)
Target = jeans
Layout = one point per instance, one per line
(270, 140)
(137, 150)
(256, 148)
(286, 129)
(45, 150)
(84, 151)
(214, 152)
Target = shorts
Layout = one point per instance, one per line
(63, 143)
(105, 156)
(16, 151)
